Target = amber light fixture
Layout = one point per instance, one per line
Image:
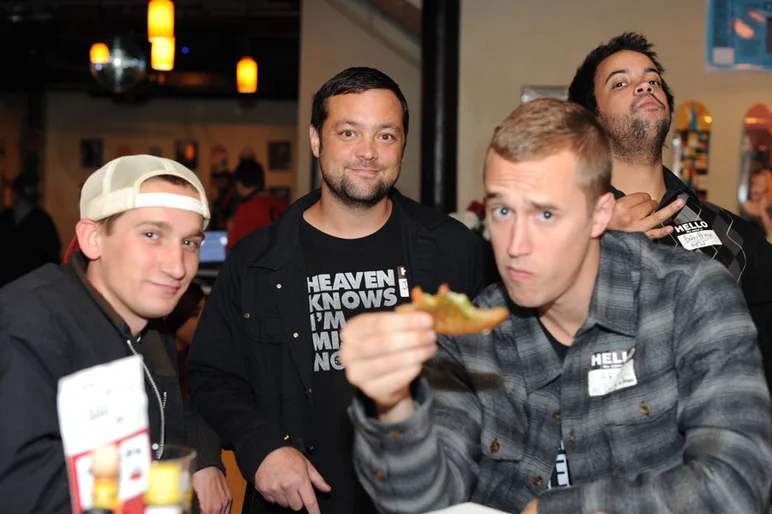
(162, 54)
(160, 19)
(246, 75)
(99, 53)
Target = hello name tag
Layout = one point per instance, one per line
(611, 371)
(695, 235)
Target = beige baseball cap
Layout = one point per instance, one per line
(115, 188)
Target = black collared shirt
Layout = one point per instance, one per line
(729, 239)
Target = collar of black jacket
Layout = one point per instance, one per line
(288, 226)
(673, 186)
(75, 268)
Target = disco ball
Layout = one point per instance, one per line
(125, 67)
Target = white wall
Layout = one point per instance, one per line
(71, 117)
(337, 34)
(506, 44)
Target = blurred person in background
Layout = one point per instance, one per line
(226, 202)
(258, 208)
(27, 232)
(757, 209)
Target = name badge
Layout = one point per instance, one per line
(611, 371)
(695, 235)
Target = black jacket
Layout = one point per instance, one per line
(250, 365)
(52, 324)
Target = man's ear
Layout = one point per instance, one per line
(89, 235)
(313, 135)
(604, 208)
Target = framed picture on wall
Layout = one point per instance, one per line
(279, 155)
(123, 151)
(186, 153)
(91, 155)
(282, 192)
(533, 92)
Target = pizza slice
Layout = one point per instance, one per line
(453, 313)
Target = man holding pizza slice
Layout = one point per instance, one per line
(626, 377)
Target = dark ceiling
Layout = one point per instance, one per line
(45, 44)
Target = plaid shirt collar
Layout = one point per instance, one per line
(613, 307)
(673, 187)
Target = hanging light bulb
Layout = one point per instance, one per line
(246, 75)
(162, 54)
(160, 19)
(99, 53)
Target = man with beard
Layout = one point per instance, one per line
(264, 367)
(622, 83)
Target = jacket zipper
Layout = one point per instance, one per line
(161, 403)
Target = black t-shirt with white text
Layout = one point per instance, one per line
(345, 277)
(561, 476)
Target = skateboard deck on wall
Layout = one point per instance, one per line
(691, 146)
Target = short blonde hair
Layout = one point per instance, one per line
(544, 127)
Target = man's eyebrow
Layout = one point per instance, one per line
(626, 71)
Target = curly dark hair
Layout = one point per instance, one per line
(582, 88)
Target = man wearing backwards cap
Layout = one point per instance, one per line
(135, 251)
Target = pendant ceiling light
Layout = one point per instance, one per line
(160, 19)
(246, 75)
(99, 53)
(162, 54)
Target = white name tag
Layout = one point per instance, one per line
(611, 371)
(404, 289)
(695, 240)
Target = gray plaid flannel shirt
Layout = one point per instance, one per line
(694, 435)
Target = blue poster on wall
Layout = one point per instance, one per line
(739, 35)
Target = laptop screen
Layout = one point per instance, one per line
(213, 247)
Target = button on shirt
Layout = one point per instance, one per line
(662, 402)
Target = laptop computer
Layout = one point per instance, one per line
(212, 252)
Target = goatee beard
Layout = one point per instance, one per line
(346, 193)
(636, 142)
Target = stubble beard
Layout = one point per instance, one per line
(635, 140)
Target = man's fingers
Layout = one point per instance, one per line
(668, 211)
(387, 343)
(634, 199)
(308, 497)
(294, 501)
(642, 210)
(386, 365)
(269, 497)
(390, 388)
(370, 324)
(659, 233)
(317, 479)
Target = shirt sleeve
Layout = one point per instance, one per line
(430, 460)
(33, 474)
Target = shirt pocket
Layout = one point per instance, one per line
(266, 330)
(502, 434)
(640, 423)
